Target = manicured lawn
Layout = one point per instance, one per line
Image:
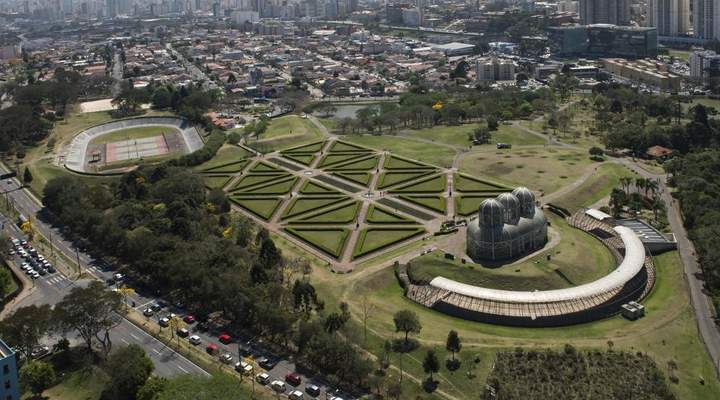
(341, 214)
(275, 187)
(329, 240)
(289, 125)
(227, 154)
(433, 184)
(538, 168)
(341, 146)
(263, 207)
(391, 178)
(458, 135)
(464, 183)
(139, 132)
(306, 148)
(434, 203)
(251, 180)
(362, 164)
(302, 205)
(216, 181)
(82, 384)
(466, 205)
(265, 167)
(379, 215)
(440, 156)
(287, 132)
(374, 239)
(331, 159)
(395, 162)
(231, 168)
(310, 187)
(304, 159)
(361, 178)
(597, 187)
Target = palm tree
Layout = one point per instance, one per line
(652, 185)
(625, 181)
(640, 184)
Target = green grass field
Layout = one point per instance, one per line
(287, 132)
(433, 184)
(597, 187)
(392, 178)
(394, 162)
(227, 154)
(332, 159)
(464, 183)
(82, 384)
(263, 207)
(538, 168)
(434, 203)
(374, 239)
(139, 132)
(310, 187)
(330, 240)
(340, 214)
(313, 147)
(458, 135)
(301, 205)
(466, 205)
(251, 180)
(277, 186)
(380, 215)
(361, 178)
(345, 147)
(361, 164)
(216, 181)
(440, 156)
(262, 166)
(305, 159)
(231, 168)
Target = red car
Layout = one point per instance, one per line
(189, 319)
(224, 338)
(211, 348)
(293, 379)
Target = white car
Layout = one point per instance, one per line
(263, 378)
(278, 386)
(296, 395)
(35, 275)
(226, 358)
(195, 340)
(243, 368)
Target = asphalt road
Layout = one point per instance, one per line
(52, 288)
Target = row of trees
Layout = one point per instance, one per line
(190, 102)
(451, 107)
(177, 239)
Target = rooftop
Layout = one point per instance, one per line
(5, 350)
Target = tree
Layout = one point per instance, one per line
(596, 151)
(406, 321)
(453, 344)
(431, 363)
(91, 312)
(24, 328)
(129, 368)
(481, 135)
(27, 176)
(618, 198)
(151, 389)
(37, 376)
(5, 281)
(492, 123)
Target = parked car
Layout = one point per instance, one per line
(118, 276)
(312, 390)
(243, 368)
(51, 269)
(293, 379)
(40, 352)
(182, 332)
(164, 322)
(267, 363)
(226, 358)
(189, 319)
(224, 338)
(148, 312)
(211, 348)
(195, 340)
(156, 307)
(262, 378)
(296, 395)
(278, 386)
(35, 275)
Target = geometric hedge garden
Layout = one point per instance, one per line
(327, 209)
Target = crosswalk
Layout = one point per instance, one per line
(56, 280)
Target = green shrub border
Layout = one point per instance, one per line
(293, 157)
(410, 199)
(227, 180)
(295, 149)
(296, 233)
(244, 162)
(404, 189)
(420, 165)
(251, 187)
(458, 201)
(311, 181)
(353, 157)
(341, 175)
(361, 240)
(264, 185)
(237, 200)
(359, 148)
(381, 180)
(500, 187)
(341, 167)
(372, 209)
(298, 198)
(336, 207)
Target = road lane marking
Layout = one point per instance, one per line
(124, 341)
(156, 352)
(183, 369)
(134, 337)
